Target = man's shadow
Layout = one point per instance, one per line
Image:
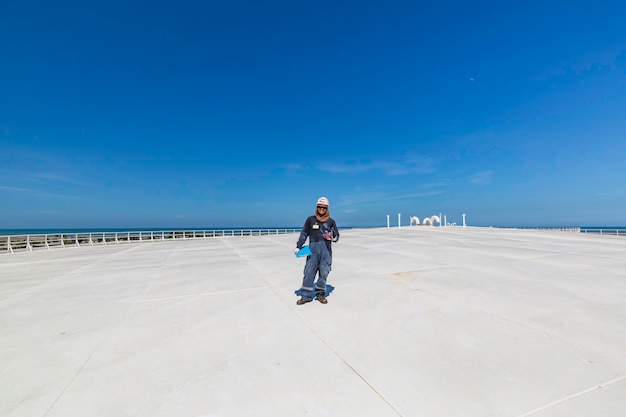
(329, 289)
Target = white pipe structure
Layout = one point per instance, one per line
(463, 219)
(399, 219)
(387, 221)
(414, 219)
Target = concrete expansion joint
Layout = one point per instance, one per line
(352, 368)
(570, 397)
(522, 324)
(416, 269)
(199, 294)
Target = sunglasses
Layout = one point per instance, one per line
(322, 207)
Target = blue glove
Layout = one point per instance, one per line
(296, 250)
(303, 251)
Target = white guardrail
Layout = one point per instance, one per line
(585, 230)
(13, 243)
(610, 232)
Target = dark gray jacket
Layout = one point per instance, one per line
(315, 230)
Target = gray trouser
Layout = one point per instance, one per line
(320, 261)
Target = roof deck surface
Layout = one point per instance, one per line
(420, 321)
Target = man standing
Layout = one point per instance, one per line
(321, 230)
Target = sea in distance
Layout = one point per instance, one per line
(13, 232)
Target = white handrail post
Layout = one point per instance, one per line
(45, 239)
(62, 241)
(77, 243)
(28, 246)
(9, 244)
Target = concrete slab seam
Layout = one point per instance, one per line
(95, 349)
(419, 268)
(350, 366)
(528, 326)
(67, 274)
(254, 265)
(200, 294)
(569, 397)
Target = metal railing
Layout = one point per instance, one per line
(599, 231)
(585, 230)
(546, 229)
(14, 243)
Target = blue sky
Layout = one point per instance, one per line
(242, 113)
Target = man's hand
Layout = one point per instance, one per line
(296, 250)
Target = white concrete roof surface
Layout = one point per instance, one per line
(422, 321)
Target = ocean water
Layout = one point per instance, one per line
(12, 232)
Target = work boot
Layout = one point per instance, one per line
(303, 301)
(320, 297)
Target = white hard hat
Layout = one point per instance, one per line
(323, 201)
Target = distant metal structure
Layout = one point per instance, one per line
(414, 220)
(428, 221)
